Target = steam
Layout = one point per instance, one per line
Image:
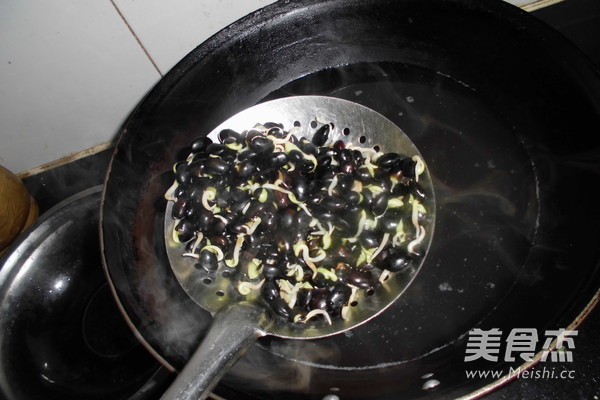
(262, 370)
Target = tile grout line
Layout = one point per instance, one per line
(66, 159)
(136, 38)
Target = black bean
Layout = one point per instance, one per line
(382, 180)
(246, 154)
(359, 158)
(222, 181)
(390, 221)
(295, 156)
(246, 168)
(352, 198)
(327, 151)
(318, 299)
(347, 168)
(261, 145)
(217, 166)
(299, 187)
(307, 147)
(268, 222)
(305, 166)
(271, 271)
(196, 169)
(282, 199)
(203, 219)
(179, 208)
(268, 250)
(361, 279)
(367, 197)
(352, 215)
(302, 219)
(253, 133)
(270, 290)
(323, 162)
(238, 194)
(280, 307)
(345, 182)
(315, 194)
(408, 167)
(229, 169)
(304, 297)
(278, 159)
(326, 176)
(344, 156)
(223, 198)
(417, 189)
(253, 243)
(338, 297)
(366, 266)
(217, 227)
(401, 189)
(240, 227)
(287, 218)
(379, 204)
(342, 224)
(285, 179)
(180, 191)
(333, 203)
(388, 160)
(363, 174)
(182, 172)
(217, 149)
(194, 193)
(284, 244)
(270, 125)
(199, 145)
(324, 215)
(369, 239)
(396, 172)
(266, 176)
(208, 261)
(276, 131)
(396, 261)
(185, 230)
(321, 135)
(344, 253)
(193, 247)
(229, 134)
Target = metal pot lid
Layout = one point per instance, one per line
(63, 336)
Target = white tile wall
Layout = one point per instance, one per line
(72, 70)
(170, 30)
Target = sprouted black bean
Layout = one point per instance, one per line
(306, 223)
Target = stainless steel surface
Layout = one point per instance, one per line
(61, 334)
(241, 320)
(354, 124)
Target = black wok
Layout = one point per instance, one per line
(504, 111)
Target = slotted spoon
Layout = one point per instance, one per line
(239, 321)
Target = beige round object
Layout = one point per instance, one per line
(17, 208)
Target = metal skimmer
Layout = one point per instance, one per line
(239, 321)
